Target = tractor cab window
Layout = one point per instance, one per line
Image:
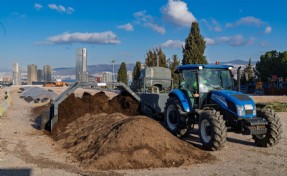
(214, 79)
(188, 80)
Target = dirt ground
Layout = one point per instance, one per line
(25, 150)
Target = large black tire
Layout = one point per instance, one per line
(174, 121)
(274, 129)
(212, 130)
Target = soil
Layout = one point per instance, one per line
(74, 107)
(105, 134)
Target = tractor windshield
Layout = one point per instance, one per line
(215, 79)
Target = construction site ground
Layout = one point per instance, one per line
(26, 150)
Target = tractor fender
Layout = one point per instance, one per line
(182, 98)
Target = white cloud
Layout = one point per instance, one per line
(209, 41)
(38, 6)
(236, 40)
(155, 27)
(229, 25)
(213, 25)
(19, 15)
(148, 21)
(107, 37)
(61, 9)
(250, 20)
(126, 27)
(247, 21)
(268, 30)
(177, 13)
(263, 44)
(172, 44)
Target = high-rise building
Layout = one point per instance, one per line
(39, 75)
(107, 77)
(16, 74)
(47, 69)
(32, 74)
(81, 65)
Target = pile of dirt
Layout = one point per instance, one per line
(112, 140)
(74, 107)
(116, 141)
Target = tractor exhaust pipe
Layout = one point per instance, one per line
(238, 78)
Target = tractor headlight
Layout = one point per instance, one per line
(240, 110)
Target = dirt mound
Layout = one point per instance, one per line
(117, 139)
(74, 107)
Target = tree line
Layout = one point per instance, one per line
(271, 63)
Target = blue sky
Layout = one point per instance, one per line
(49, 31)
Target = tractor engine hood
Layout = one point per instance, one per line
(237, 103)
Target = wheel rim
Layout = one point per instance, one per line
(171, 117)
(260, 136)
(205, 131)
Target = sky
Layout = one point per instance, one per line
(49, 31)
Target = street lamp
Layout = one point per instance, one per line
(113, 62)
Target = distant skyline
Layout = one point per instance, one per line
(49, 31)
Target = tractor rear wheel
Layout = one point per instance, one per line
(173, 119)
(274, 129)
(212, 130)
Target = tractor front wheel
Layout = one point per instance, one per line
(212, 130)
(274, 129)
(173, 119)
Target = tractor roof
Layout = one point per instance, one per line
(196, 66)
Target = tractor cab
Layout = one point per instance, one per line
(197, 81)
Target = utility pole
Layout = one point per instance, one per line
(113, 62)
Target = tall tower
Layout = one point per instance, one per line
(81, 65)
(32, 74)
(39, 75)
(47, 69)
(16, 74)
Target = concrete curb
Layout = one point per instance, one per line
(4, 106)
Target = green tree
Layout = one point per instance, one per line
(272, 63)
(172, 64)
(248, 73)
(122, 73)
(136, 75)
(193, 52)
(161, 57)
(150, 59)
(136, 71)
(154, 56)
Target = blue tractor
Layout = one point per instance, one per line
(205, 97)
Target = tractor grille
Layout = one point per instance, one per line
(231, 106)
